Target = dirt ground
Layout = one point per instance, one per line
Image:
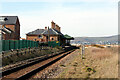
(96, 63)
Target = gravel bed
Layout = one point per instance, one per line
(55, 69)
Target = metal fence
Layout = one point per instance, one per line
(16, 44)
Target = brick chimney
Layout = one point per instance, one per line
(52, 25)
(57, 28)
(45, 28)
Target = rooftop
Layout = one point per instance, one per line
(45, 32)
(8, 20)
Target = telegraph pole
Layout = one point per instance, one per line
(48, 34)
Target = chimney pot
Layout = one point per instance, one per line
(57, 28)
(45, 28)
(52, 25)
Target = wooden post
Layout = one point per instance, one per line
(82, 51)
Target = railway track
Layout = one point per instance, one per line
(26, 71)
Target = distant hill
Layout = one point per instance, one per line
(96, 40)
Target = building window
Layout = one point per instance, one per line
(2, 19)
(40, 36)
(52, 39)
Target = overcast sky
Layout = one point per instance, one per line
(77, 18)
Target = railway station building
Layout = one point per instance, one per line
(49, 34)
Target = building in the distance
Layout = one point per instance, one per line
(49, 34)
(9, 28)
